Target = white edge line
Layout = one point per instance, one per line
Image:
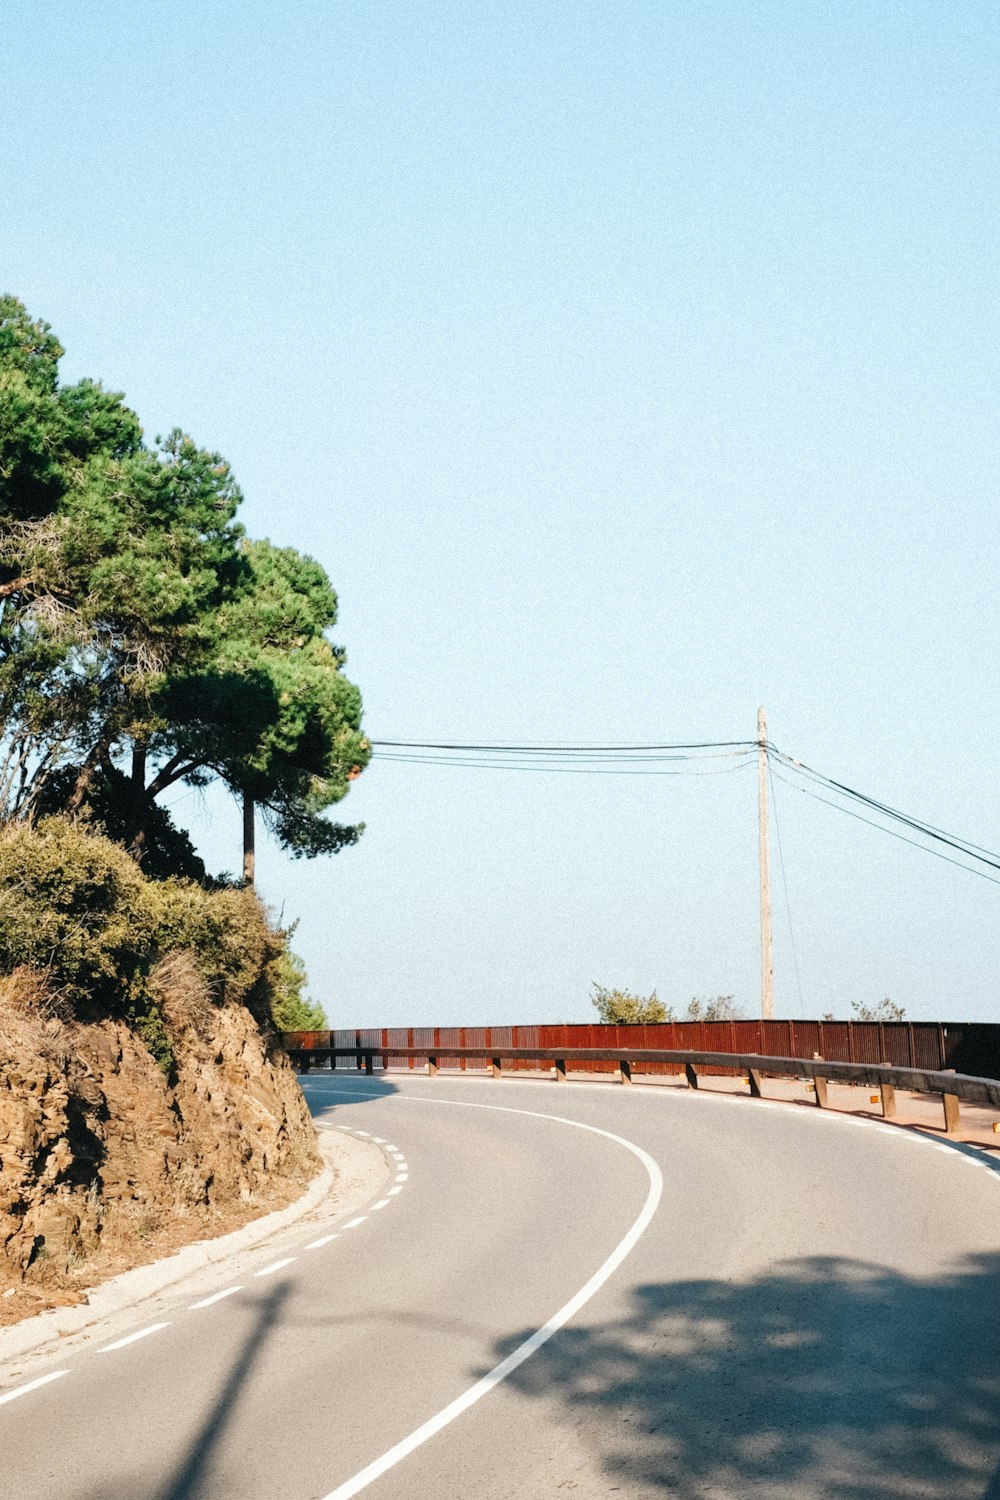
(216, 1297)
(32, 1385)
(318, 1244)
(541, 1336)
(133, 1338)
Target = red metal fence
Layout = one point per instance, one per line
(972, 1048)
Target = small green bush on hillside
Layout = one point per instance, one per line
(75, 908)
(226, 930)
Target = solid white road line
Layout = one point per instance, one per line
(217, 1297)
(279, 1265)
(699, 1096)
(542, 1335)
(318, 1244)
(32, 1385)
(133, 1338)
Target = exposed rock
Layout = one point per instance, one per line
(100, 1152)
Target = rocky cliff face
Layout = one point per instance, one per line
(106, 1162)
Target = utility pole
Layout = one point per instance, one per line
(766, 965)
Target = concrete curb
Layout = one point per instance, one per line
(132, 1286)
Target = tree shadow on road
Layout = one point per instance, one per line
(191, 1477)
(827, 1378)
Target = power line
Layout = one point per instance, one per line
(563, 749)
(648, 759)
(953, 840)
(891, 832)
(610, 769)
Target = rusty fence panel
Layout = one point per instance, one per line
(970, 1048)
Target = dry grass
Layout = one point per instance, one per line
(34, 1017)
(182, 994)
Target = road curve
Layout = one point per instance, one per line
(691, 1296)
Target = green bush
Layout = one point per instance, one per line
(74, 905)
(76, 908)
(621, 1007)
(226, 930)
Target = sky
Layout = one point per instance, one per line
(627, 367)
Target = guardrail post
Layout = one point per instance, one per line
(819, 1084)
(691, 1076)
(432, 1066)
(560, 1065)
(753, 1079)
(495, 1067)
(369, 1065)
(624, 1070)
(888, 1092)
(951, 1115)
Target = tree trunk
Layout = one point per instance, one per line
(84, 780)
(248, 839)
(139, 765)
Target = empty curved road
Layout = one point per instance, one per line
(562, 1289)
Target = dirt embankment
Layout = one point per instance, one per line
(105, 1162)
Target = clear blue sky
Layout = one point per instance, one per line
(627, 366)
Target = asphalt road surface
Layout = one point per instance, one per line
(562, 1289)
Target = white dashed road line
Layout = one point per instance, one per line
(32, 1385)
(216, 1297)
(402, 1176)
(133, 1338)
(278, 1265)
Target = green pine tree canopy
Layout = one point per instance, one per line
(144, 638)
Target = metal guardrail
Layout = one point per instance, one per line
(949, 1086)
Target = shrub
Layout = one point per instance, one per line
(73, 905)
(226, 931)
(76, 910)
(621, 1006)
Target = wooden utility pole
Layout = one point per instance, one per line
(766, 965)
(248, 841)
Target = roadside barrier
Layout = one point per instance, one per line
(949, 1086)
